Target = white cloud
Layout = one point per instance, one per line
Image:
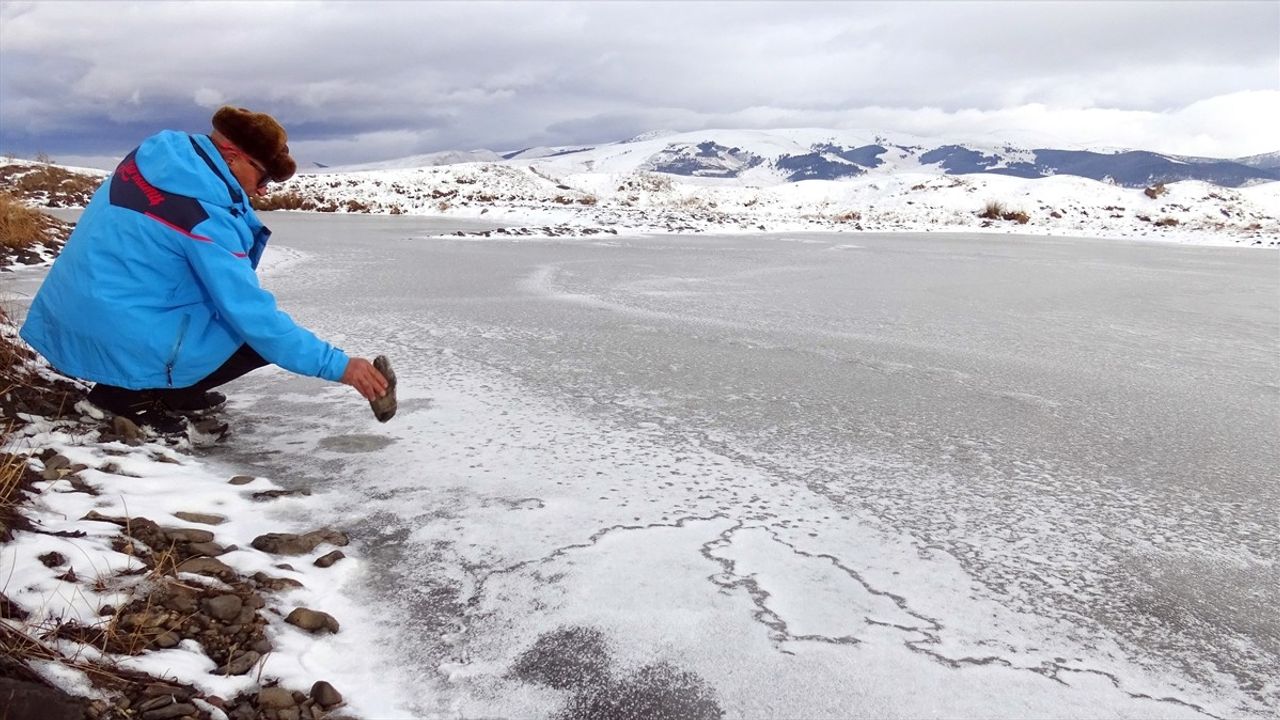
(208, 98)
(500, 75)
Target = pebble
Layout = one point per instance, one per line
(207, 566)
(325, 694)
(290, 544)
(167, 640)
(242, 480)
(312, 620)
(241, 663)
(292, 713)
(125, 428)
(156, 702)
(275, 584)
(57, 461)
(273, 494)
(211, 549)
(224, 607)
(328, 560)
(201, 518)
(52, 559)
(275, 698)
(170, 711)
(188, 535)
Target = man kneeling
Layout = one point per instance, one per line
(155, 297)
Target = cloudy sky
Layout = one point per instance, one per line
(85, 82)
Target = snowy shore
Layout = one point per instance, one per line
(147, 578)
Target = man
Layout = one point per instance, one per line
(155, 297)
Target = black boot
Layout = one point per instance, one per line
(144, 408)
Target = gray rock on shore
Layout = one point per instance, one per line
(291, 544)
(312, 620)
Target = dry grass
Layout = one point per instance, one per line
(996, 210)
(20, 226)
(292, 200)
(992, 210)
(48, 185)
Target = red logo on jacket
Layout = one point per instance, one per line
(129, 173)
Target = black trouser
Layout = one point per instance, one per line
(242, 361)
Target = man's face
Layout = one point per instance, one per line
(251, 175)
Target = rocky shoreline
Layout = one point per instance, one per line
(156, 615)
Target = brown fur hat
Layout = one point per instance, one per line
(260, 137)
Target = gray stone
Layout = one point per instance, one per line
(275, 698)
(167, 640)
(211, 549)
(156, 689)
(261, 645)
(325, 694)
(170, 711)
(125, 428)
(99, 517)
(201, 518)
(312, 620)
(57, 461)
(242, 480)
(189, 535)
(273, 494)
(241, 663)
(223, 607)
(158, 701)
(53, 559)
(292, 713)
(290, 544)
(207, 566)
(275, 584)
(325, 561)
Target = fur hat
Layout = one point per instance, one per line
(260, 137)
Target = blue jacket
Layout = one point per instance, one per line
(157, 285)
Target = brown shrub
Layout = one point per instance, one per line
(996, 210)
(48, 185)
(20, 226)
(1166, 222)
(850, 216)
(28, 236)
(993, 210)
(292, 200)
(1155, 191)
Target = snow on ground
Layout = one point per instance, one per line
(533, 194)
(155, 481)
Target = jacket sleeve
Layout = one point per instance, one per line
(215, 253)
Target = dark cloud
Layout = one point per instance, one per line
(365, 81)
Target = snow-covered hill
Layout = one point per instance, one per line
(762, 156)
(797, 180)
(815, 179)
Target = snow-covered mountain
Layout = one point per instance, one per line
(799, 180)
(766, 157)
(753, 180)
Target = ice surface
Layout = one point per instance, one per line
(926, 475)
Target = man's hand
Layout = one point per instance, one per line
(364, 377)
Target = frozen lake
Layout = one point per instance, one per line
(796, 476)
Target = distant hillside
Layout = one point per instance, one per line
(799, 180)
(768, 157)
